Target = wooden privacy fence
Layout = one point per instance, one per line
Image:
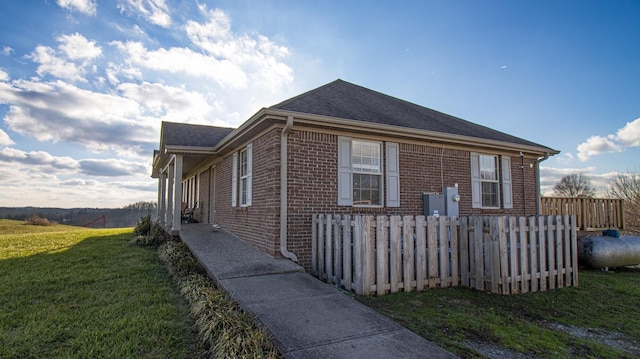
(505, 255)
(591, 213)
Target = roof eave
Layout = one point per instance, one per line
(399, 131)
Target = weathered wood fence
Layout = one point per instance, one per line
(505, 255)
(591, 213)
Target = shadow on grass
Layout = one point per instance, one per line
(97, 296)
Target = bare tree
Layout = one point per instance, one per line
(626, 186)
(575, 185)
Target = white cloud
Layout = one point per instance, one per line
(78, 47)
(178, 60)
(4, 76)
(5, 140)
(50, 64)
(168, 103)
(39, 158)
(6, 51)
(60, 112)
(627, 136)
(84, 6)
(154, 11)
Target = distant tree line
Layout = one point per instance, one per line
(126, 216)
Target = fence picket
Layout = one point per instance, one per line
(382, 243)
(328, 267)
(513, 255)
(347, 252)
(421, 253)
(444, 250)
(314, 245)
(432, 250)
(542, 241)
(395, 255)
(533, 253)
(464, 252)
(551, 260)
(358, 255)
(455, 257)
(559, 257)
(408, 253)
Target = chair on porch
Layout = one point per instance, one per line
(186, 213)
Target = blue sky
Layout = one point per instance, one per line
(84, 84)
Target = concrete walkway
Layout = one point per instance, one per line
(307, 317)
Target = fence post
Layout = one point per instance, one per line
(455, 251)
(524, 257)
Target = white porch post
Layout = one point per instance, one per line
(162, 195)
(177, 194)
(170, 189)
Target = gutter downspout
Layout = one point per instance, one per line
(538, 195)
(283, 190)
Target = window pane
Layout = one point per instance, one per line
(366, 189)
(365, 157)
(488, 168)
(489, 194)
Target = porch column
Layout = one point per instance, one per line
(169, 210)
(177, 194)
(162, 197)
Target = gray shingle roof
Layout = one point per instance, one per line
(345, 100)
(184, 134)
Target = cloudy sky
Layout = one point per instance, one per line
(84, 84)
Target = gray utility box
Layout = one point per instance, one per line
(451, 201)
(433, 204)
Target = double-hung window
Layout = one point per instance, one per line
(361, 176)
(242, 177)
(485, 181)
(366, 166)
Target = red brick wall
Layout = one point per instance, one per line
(259, 223)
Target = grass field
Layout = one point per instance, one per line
(598, 319)
(79, 293)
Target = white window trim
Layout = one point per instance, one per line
(504, 181)
(236, 179)
(389, 174)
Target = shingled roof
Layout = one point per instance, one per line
(184, 134)
(344, 100)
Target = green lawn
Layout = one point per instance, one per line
(78, 293)
(599, 319)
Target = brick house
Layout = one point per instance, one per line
(339, 149)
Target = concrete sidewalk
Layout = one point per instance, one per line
(307, 318)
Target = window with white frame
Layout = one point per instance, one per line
(361, 171)
(242, 177)
(486, 180)
(366, 166)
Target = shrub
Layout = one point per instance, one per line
(223, 328)
(154, 236)
(36, 220)
(143, 226)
